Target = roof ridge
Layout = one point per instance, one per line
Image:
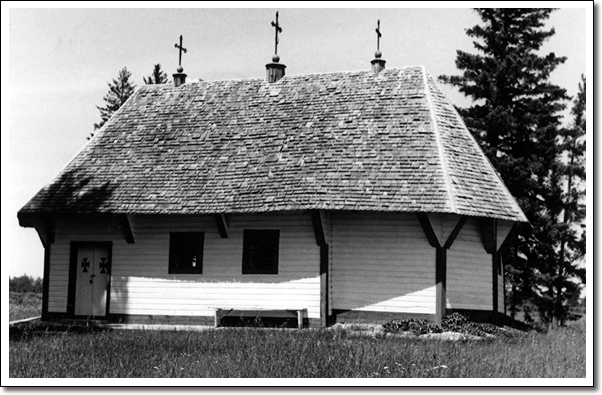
(288, 76)
(497, 174)
(438, 138)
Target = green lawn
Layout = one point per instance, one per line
(247, 352)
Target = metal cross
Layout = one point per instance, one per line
(181, 49)
(378, 36)
(278, 30)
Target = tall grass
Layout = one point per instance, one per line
(246, 352)
(24, 305)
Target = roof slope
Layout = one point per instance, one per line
(339, 141)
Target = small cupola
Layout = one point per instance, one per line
(275, 70)
(179, 78)
(378, 64)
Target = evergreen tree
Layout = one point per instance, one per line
(564, 273)
(515, 118)
(158, 76)
(119, 91)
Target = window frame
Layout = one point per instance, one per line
(200, 247)
(250, 236)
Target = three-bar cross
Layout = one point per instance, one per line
(278, 30)
(181, 49)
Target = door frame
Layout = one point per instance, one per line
(75, 245)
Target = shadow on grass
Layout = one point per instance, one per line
(28, 331)
(259, 322)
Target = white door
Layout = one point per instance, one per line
(91, 283)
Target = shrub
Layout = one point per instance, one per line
(455, 322)
(417, 327)
(25, 283)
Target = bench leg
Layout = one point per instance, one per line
(300, 319)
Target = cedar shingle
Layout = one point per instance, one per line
(339, 141)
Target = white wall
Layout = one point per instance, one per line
(378, 262)
(500, 294)
(140, 283)
(469, 271)
(381, 262)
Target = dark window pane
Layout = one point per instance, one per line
(260, 251)
(186, 252)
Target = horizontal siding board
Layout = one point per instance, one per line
(381, 262)
(140, 278)
(469, 275)
(216, 302)
(500, 297)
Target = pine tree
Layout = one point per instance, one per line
(158, 76)
(515, 118)
(119, 91)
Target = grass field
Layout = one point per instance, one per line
(24, 305)
(248, 352)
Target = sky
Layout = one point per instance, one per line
(60, 60)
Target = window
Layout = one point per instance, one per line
(260, 251)
(186, 252)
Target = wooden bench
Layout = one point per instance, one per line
(300, 314)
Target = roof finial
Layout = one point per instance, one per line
(378, 54)
(275, 70)
(179, 78)
(278, 29)
(378, 64)
(180, 68)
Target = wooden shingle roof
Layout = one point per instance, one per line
(338, 141)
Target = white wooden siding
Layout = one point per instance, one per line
(140, 283)
(443, 225)
(327, 224)
(500, 294)
(503, 229)
(381, 262)
(66, 231)
(469, 271)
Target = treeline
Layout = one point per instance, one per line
(120, 91)
(516, 118)
(25, 283)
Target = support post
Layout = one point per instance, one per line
(489, 236)
(428, 229)
(129, 228)
(222, 225)
(441, 281)
(440, 261)
(45, 228)
(46, 280)
(317, 218)
(324, 285)
(494, 263)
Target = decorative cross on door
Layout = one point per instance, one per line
(85, 265)
(104, 265)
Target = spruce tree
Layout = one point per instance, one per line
(119, 91)
(565, 274)
(515, 118)
(157, 77)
